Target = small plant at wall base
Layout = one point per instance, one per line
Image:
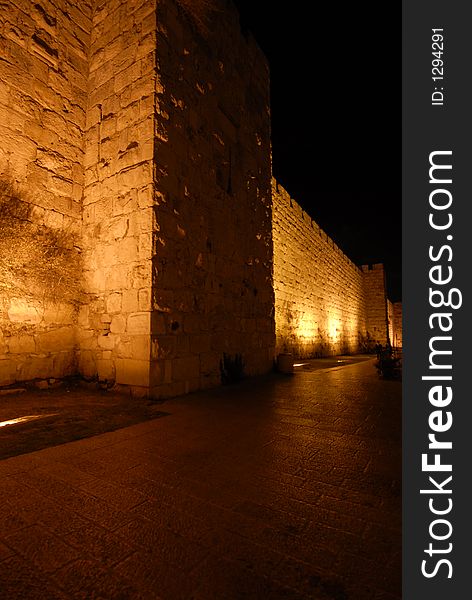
(36, 261)
(231, 368)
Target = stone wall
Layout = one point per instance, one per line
(43, 92)
(397, 339)
(135, 135)
(144, 128)
(376, 306)
(320, 305)
(118, 217)
(212, 273)
(391, 321)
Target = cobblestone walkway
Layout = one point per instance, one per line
(277, 488)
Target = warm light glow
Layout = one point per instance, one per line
(23, 419)
(299, 364)
(334, 326)
(306, 327)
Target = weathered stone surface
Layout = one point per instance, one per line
(7, 372)
(139, 323)
(397, 338)
(21, 344)
(127, 131)
(376, 304)
(24, 311)
(132, 372)
(106, 370)
(56, 340)
(324, 304)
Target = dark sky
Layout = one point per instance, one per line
(336, 120)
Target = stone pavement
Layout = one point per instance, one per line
(281, 487)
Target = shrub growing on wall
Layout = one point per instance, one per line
(36, 261)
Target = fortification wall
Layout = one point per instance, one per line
(142, 127)
(140, 238)
(118, 218)
(43, 91)
(320, 303)
(391, 321)
(376, 306)
(212, 274)
(397, 340)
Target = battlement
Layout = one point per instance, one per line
(372, 267)
(284, 196)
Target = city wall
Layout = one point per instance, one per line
(118, 197)
(43, 97)
(141, 243)
(324, 303)
(135, 135)
(212, 257)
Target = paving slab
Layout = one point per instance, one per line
(280, 487)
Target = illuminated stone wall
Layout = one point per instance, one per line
(142, 129)
(43, 95)
(212, 264)
(133, 124)
(177, 218)
(397, 340)
(324, 303)
(391, 321)
(376, 304)
(118, 218)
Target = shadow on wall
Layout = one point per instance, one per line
(212, 288)
(40, 289)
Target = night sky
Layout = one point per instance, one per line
(336, 120)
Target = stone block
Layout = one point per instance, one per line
(164, 346)
(132, 372)
(158, 323)
(7, 372)
(24, 311)
(36, 367)
(107, 342)
(63, 364)
(21, 344)
(130, 302)
(118, 324)
(87, 364)
(139, 323)
(185, 369)
(58, 314)
(138, 275)
(200, 344)
(210, 363)
(140, 347)
(114, 303)
(106, 370)
(56, 340)
(144, 299)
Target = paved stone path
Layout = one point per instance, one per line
(277, 488)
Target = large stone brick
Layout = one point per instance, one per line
(21, 344)
(7, 371)
(132, 372)
(56, 340)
